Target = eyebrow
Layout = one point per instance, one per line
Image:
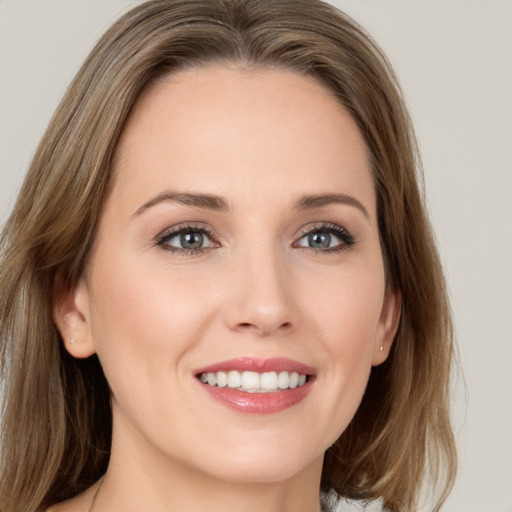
(206, 201)
(214, 202)
(319, 200)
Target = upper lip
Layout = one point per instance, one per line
(253, 364)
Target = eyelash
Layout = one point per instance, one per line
(167, 235)
(346, 238)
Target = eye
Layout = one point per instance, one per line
(326, 238)
(187, 239)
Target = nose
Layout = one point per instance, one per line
(260, 295)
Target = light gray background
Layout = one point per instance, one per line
(454, 59)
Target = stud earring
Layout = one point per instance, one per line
(72, 340)
(381, 348)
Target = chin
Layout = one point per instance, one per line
(262, 462)
(265, 470)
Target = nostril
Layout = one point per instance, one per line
(263, 329)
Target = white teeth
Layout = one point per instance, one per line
(283, 380)
(222, 379)
(294, 380)
(254, 382)
(250, 380)
(234, 379)
(269, 381)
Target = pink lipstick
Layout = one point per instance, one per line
(261, 386)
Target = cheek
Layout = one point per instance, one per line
(348, 307)
(143, 321)
(146, 320)
(346, 312)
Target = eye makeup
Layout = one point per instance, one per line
(321, 238)
(188, 239)
(191, 239)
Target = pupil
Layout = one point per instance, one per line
(321, 240)
(191, 240)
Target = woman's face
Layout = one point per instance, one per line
(238, 246)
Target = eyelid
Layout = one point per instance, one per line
(167, 234)
(348, 239)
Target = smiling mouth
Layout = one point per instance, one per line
(255, 385)
(254, 382)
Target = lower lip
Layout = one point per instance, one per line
(258, 403)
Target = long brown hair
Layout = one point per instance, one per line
(56, 416)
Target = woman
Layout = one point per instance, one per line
(219, 285)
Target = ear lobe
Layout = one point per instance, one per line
(72, 317)
(388, 325)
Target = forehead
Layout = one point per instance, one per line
(210, 126)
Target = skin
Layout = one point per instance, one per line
(261, 140)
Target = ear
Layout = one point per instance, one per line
(388, 325)
(72, 317)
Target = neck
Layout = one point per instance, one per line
(140, 478)
(186, 497)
